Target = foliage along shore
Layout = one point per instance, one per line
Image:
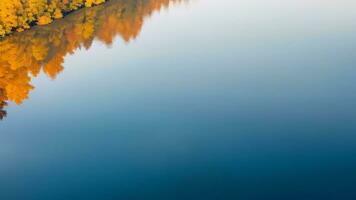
(19, 15)
(42, 49)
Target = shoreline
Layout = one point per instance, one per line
(41, 15)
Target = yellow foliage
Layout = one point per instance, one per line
(24, 55)
(57, 14)
(43, 20)
(17, 15)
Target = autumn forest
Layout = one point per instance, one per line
(43, 48)
(18, 15)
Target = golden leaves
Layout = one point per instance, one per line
(43, 20)
(17, 15)
(23, 56)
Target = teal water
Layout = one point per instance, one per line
(212, 100)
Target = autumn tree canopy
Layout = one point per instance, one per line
(24, 55)
(18, 15)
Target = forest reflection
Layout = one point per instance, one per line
(43, 48)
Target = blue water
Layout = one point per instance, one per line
(215, 99)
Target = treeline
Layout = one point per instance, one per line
(43, 48)
(18, 15)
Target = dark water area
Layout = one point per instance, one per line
(199, 99)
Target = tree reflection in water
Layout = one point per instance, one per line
(43, 48)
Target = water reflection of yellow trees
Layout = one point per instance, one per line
(43, 48)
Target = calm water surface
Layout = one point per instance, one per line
(199, 99)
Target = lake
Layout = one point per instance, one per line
(182, 99)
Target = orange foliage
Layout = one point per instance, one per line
(24, 55)
(20, 14)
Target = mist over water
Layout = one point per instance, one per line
(199, 99)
